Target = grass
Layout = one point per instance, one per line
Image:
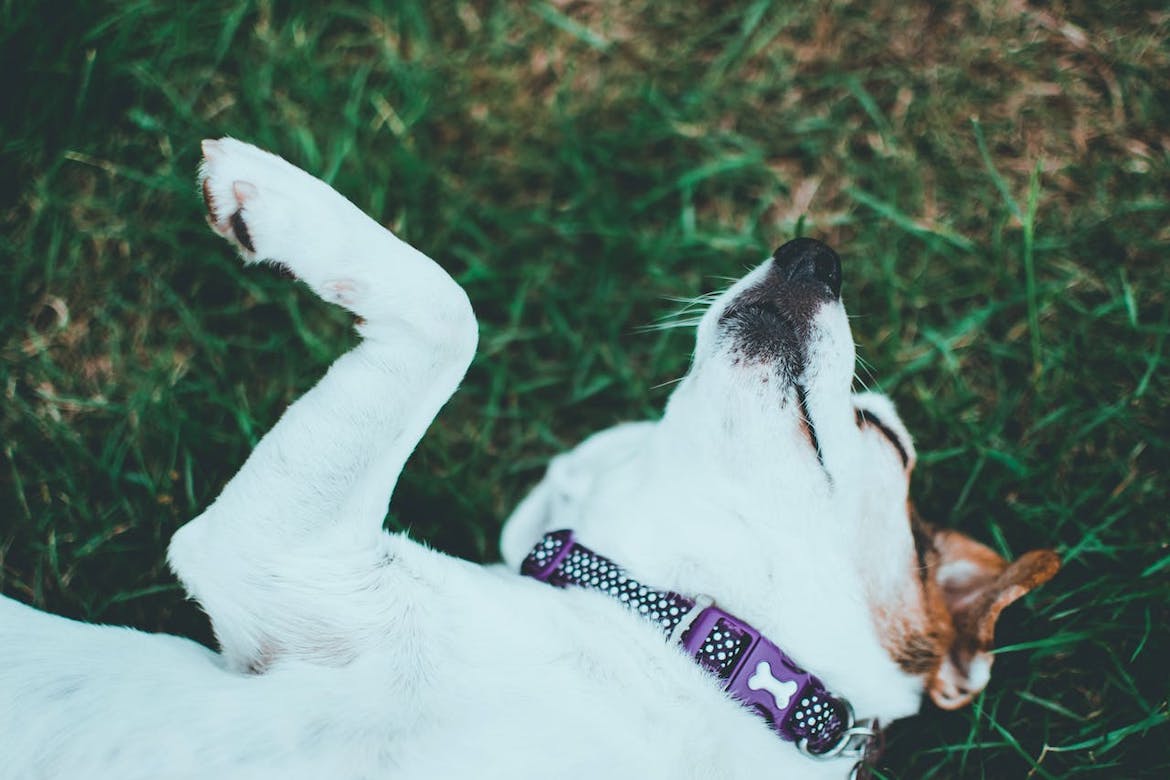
(994, 174)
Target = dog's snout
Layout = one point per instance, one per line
(771, 319)
(808, 260)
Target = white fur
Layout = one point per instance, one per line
(350, 653)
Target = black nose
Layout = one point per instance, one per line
(808, 260)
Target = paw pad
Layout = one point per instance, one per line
(240, 228)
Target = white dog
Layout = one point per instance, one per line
(345, 652)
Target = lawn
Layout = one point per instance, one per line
(996, 176)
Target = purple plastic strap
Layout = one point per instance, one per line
(558, 560)
(547, 555)
(753, 669)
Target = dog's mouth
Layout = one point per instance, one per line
(806, 422)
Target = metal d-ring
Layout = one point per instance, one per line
(862, 733)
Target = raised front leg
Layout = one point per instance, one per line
(291, 558)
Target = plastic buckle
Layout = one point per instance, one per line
(763, 678)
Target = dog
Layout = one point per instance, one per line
(769, 500)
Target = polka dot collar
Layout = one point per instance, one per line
(756, 672)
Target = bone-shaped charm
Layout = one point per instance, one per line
(782, 690)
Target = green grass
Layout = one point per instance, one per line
(995, 176)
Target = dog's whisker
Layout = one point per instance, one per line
(690, 304)
(701, 298)
(866, 366)
(668, 325)
(668, 382)
(688, 313)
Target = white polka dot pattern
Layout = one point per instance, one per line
(545, 551)
(818, 719)
(586, 569)
(723, 648)
(816, 716)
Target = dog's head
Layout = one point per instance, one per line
(770, 485)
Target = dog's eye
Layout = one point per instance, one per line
(865, 418)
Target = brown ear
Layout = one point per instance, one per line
(975, 584)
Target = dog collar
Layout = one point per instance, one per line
(751, 667)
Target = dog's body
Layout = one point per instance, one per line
(347, 652)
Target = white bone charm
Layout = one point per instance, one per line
(782, 690)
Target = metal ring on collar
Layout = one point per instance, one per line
(854, 741)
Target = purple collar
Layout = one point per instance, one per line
(752, 669)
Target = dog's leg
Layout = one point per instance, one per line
(291, 558)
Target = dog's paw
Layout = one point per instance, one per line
(228, 177)
(271, 210)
